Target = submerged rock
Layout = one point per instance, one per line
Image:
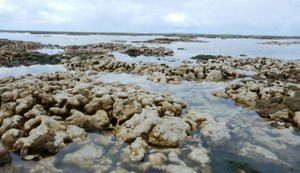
(85, 157)
(137, 149)
(156, 72)
(274, 100)
(169, 132)
(59, 108)
(199, 155)
(178, 168)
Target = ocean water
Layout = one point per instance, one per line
(239, 137)
(217, 46)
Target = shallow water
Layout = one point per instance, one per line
(49, 51)
(244, 135)
(65, 40)
(215, 46)
(33, 69)
(239, 135)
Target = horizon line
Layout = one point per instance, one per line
(154, 33)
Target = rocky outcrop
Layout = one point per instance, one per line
(161, 73)
(16, 53)
(39, 115)
(170, 40)
(101, 48)
(280, 43)
(11, 45)
(276, 101)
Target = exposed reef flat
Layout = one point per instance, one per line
(171, 40)
(75, 121)
(161, 73)
(224, 36)
(16, 53)
(278, 43)
(118, 47)
(39, 120)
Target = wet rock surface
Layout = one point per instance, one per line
(38, 120)
(274, 91)
(102, 48)
(276, 101)
(160, 73)
(171, 40)
(281, 43)
(85, 125)
(16, 53)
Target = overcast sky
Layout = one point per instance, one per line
(272, 17)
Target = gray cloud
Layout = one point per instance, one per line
(201, 16)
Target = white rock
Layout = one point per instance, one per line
(169, 132)
(215, 75)
(138, 124)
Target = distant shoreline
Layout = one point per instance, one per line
(222, 36)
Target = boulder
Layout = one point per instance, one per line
(194, 119)
(296, 119)
(125, 109)
(137, 149)
(140, 123)
(214, 75)
(10, 137)
(45, 136)
(169, 132)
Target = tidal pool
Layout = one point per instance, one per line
(239, 134)
(49, 51)
(33, 69)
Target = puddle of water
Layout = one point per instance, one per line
(49, 51)
(246, 72)
(33, 69)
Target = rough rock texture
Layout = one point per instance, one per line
(137, 149)
(171, 40)
(118, 47)
(161, 73)
(276, 101)
(296, 119)
(169, 132)
(39, 115)
(15, 53)
(166, 131)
